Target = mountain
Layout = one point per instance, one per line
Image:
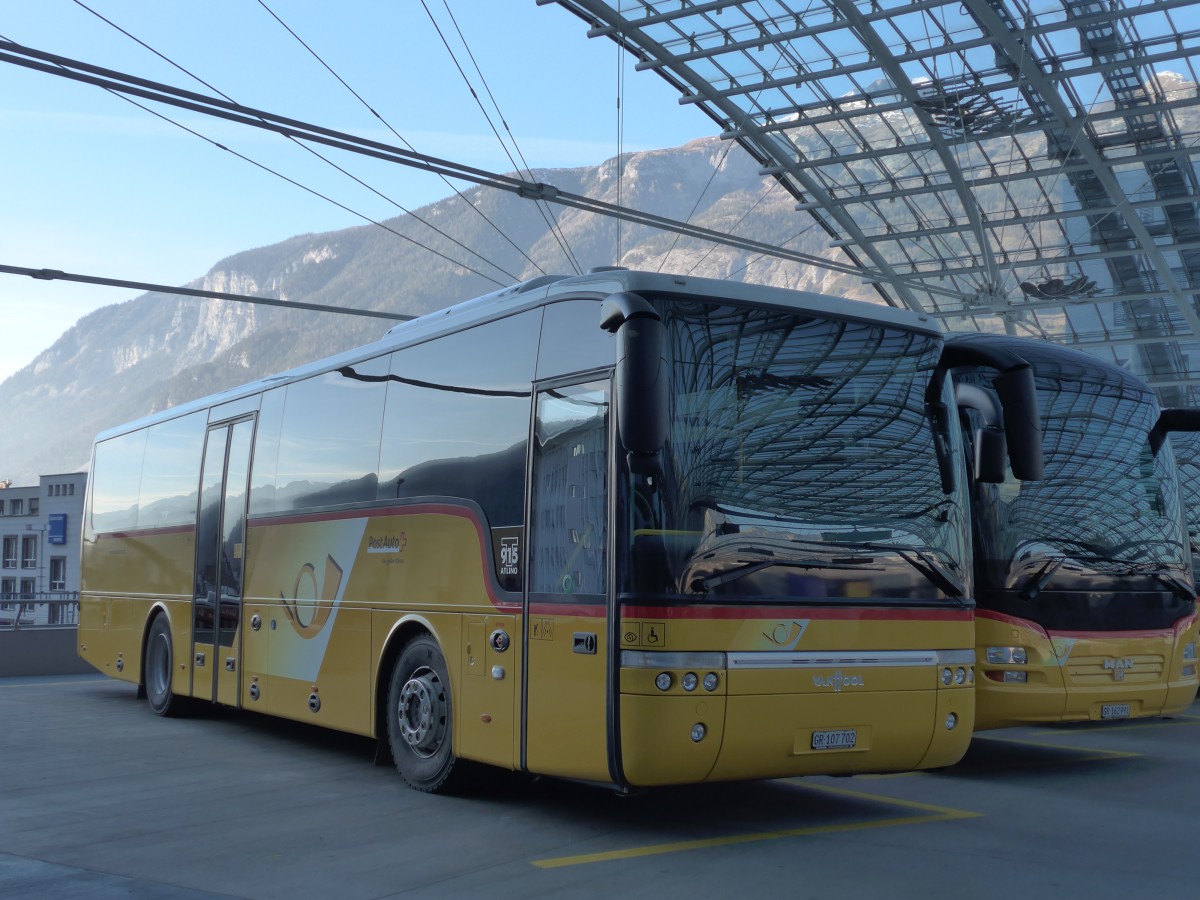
(158, 350)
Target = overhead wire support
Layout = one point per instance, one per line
(471, 206)
(547, 215)
(59, 275)
(122, 83)
(510, 276)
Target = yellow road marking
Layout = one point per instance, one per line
(1092, 753)
(1156, 722)
(932, 814)
(14, 681)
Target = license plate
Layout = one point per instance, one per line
(843, 739)
(1114, 711)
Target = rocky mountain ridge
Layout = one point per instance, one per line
(156, 350)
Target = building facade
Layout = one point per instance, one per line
(40, 537)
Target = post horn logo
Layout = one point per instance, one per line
(308, 608)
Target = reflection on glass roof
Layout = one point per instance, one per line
(1004, 167)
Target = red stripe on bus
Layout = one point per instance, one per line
(857, 613)
(1178, 628)
(144, 532)
(1010, 620)
(579, 610)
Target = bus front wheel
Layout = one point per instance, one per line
(420, 718)
(159, 664)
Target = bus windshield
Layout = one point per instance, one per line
(1107, 516)
(800, 464)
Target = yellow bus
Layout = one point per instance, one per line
(624, 528)
(1187, 454)
(1084, 581)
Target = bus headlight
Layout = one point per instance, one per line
(710, 681)
(698, 732)
(951, 721)
(1002, 655)
(689, 682)
(1189, 651)
(960, 675)
(947, 677)
(663, 681)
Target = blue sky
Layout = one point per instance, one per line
(94, 185)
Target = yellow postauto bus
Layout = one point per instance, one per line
(1084, 582)
(625, 528)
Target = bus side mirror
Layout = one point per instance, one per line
(1022, 423)
(1174, 419)
(641, 376)
(989, 455)
(1017, 391)
(989, 440)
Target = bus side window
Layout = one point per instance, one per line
(329, 442)
(569, 534)
(457, 418)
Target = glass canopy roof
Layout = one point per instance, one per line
(999, 166)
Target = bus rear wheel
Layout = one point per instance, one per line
(420, 719)
(158, 668)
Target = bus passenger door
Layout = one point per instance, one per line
(220, 560)
(567, 586)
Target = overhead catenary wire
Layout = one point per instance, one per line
(61, 70)
(149, 287)
(475, 209)
(547, 211)
(620, 169)
(509, 275)
(317, 193)
(551, 221)
(76, 70)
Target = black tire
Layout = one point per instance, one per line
(420, 716)
(158, 667)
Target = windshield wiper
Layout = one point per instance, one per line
(944, 581)
(1031, 588)
(708, 582)
(1125, 567)
(1166, 579)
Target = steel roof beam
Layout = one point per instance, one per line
(992, 23)
(764, 148)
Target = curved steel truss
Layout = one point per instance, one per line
(999, 166)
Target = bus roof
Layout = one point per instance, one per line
(1043, 354)
(536, 292)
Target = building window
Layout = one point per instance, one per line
(33, 506)
(29, 552)
(72, 489)
(16, 507)
(8, 587)
(28, 588)
(58, 573)
(10, 552)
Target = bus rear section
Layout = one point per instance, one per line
(1084, 580)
